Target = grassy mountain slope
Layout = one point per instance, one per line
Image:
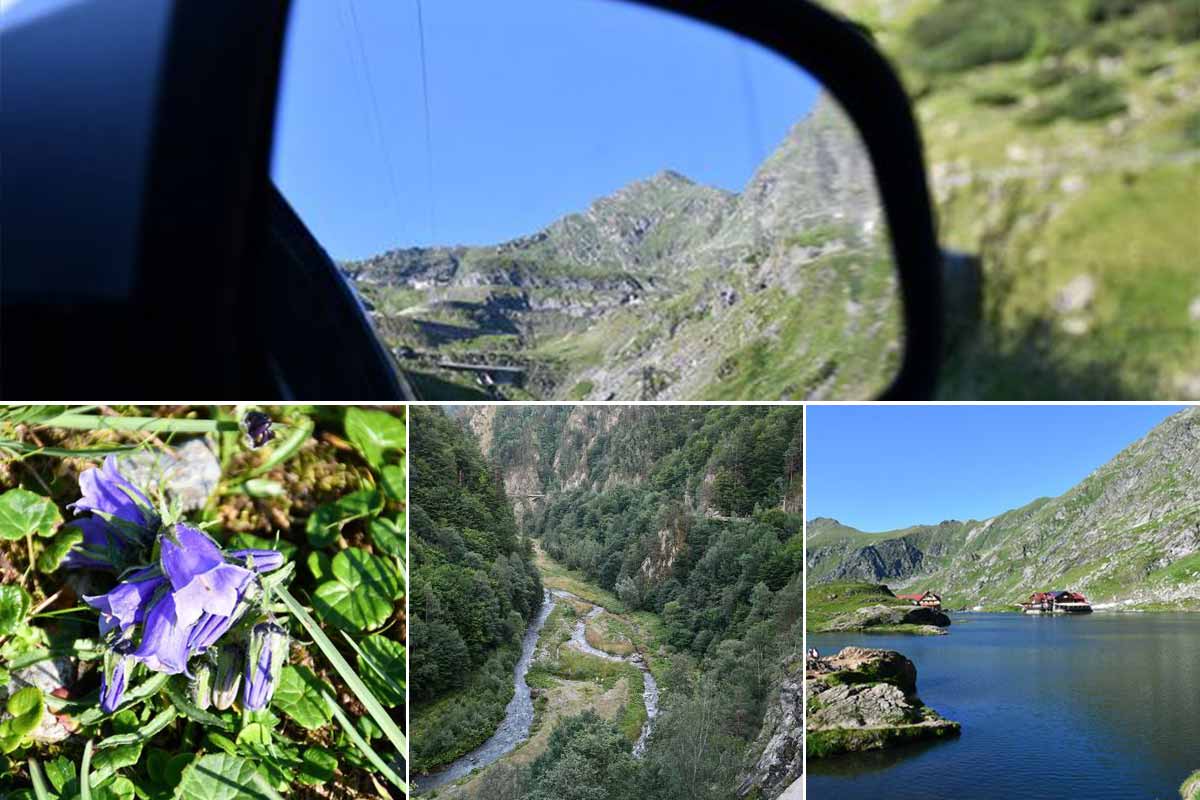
(1129, 533)
(1063, 143)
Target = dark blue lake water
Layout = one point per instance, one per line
(1104, 706)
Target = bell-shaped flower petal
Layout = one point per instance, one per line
(260, 560)
(186, 553)
(106, 490)
(164, 640)
(126, 603)
(207, 630)
(215, 592)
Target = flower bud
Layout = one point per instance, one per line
(114, 679)
(265, 657)
(257, 426)
(260, 560)
(227, 677)
(201, 684)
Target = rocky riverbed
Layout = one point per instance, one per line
(866, 699)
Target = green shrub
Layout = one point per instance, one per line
(1105, 10)
(1191, 129)
(1050, 75)
(1085, 98)
(969, 33)
(997, 98)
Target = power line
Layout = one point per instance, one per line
(375, 116)
(428, 130)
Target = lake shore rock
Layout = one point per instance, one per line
(1191, 787)
(888, 616)
(865, 699)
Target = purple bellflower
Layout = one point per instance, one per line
(181, 605)
(201, 579)
(266, 655)
(125, 605)
(123, 520)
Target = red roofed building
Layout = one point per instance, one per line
(925, 599)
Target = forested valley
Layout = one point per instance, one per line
(670, 537)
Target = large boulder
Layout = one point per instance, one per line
(865, 699)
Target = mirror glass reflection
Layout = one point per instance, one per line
(587, 199)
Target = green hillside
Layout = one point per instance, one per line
(1063, 144)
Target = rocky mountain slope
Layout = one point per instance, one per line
(666, 289)
(540, 452)
(1129, 533)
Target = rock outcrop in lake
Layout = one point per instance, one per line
(879, 616)
(865, 699)
(780, 742)
(1128, 534)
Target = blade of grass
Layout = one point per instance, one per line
(85, 782)
(91, 422)
(354, 736)
(62, 452)
(38, 780)
(347, 673)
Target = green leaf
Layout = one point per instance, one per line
(14, 606)
(299, 696)
(318, 767)
(248, 541)
(58, 548)
(220, 742)
(106, 762)
(362, 593)
(219, 776)
(387, 536)
(327, 521)
(26, 707)
(254, 733)
(319, 564)
(22, 512)
(61, 771)
(119, 788)
(375, 433)
(394, 483)
(380, 662)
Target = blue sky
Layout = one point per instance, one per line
(879, 468)
(537, 108)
